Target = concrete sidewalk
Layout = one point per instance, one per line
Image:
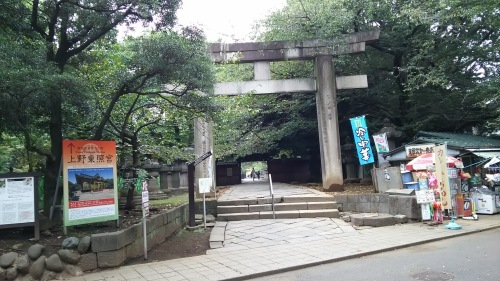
(253, 261)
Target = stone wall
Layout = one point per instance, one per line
(101, 250)
(380, 203)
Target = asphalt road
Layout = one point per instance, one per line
(469, 257)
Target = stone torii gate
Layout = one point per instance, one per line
(325, 86)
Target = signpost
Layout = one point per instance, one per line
(145, 215)
(191, 167)
(204, 186)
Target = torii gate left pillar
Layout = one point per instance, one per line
(328, 125)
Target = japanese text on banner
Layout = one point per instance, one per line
(362, 140)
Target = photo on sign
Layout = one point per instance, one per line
(90, 184)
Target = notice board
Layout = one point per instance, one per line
(19, 200)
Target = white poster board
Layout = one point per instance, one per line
(17, 200)
(425, 196)
(145, 199)
(204, 185)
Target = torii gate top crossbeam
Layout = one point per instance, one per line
(291, 50)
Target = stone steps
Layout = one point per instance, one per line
(286, 207)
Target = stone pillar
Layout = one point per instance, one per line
(262, 70)
(348, 152)
(326, 103)
(203, 142)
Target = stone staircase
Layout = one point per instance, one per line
(285, 207)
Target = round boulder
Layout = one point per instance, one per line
(7, 259)
(84, 245)
(68, 256)
(23, 264)
(53, 263)
(70, 243)
(37, 268)
(11, 273)
(35, 251)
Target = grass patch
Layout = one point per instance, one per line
(170, 202)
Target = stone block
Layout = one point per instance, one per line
(136, 249)
(239, 216)
(364, 207)
(380, 220)
(401, 219)
(216, 244)
(260, 208)
(111, 258)
(352, 198)
(349, 207)
(357, 219)
(292, 214)
(154, 222)
(393, 205)
(340, 206)
(232, 209)
(290, 206)
(295, 199)
(173, 214)
(340, 199)
(103, 242)
(268, 200)
(238, 202)
(364, 198)
(321, 205)
(380, 208)
(218, 234)
(322, 213)
(88, 261)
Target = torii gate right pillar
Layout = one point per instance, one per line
(328, 125)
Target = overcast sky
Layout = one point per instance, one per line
(226, 19)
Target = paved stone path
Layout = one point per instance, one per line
(254, 234)
(261, 247)
(260, 261)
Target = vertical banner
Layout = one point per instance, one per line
(90, 181)
(362, 140)
(381, 143)
(440, 158)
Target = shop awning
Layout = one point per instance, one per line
(487, 154)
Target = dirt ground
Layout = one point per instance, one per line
(183, 244)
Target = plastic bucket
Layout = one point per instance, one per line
(411, 185)
(406, 177)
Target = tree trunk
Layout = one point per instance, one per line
(53, 162)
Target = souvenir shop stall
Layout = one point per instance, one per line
(438, 186)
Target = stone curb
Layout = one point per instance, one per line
(353, 256)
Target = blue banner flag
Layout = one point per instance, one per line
(362, 140)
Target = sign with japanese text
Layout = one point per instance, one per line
(17, 200)
(362, 140)
(381, 143)
(414, 151)
(90, 181)
(145, 199)
(440, 158)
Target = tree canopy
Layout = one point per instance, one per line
(435, 68)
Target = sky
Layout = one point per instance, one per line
(229, 20)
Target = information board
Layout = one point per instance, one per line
(19, 201)
(425, 196)
(204, 185)
(90, 181)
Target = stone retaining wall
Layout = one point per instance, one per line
(101, 250)
(380, 203)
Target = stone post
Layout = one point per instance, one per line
(348, 152)
(326, 103)
(203, 142)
